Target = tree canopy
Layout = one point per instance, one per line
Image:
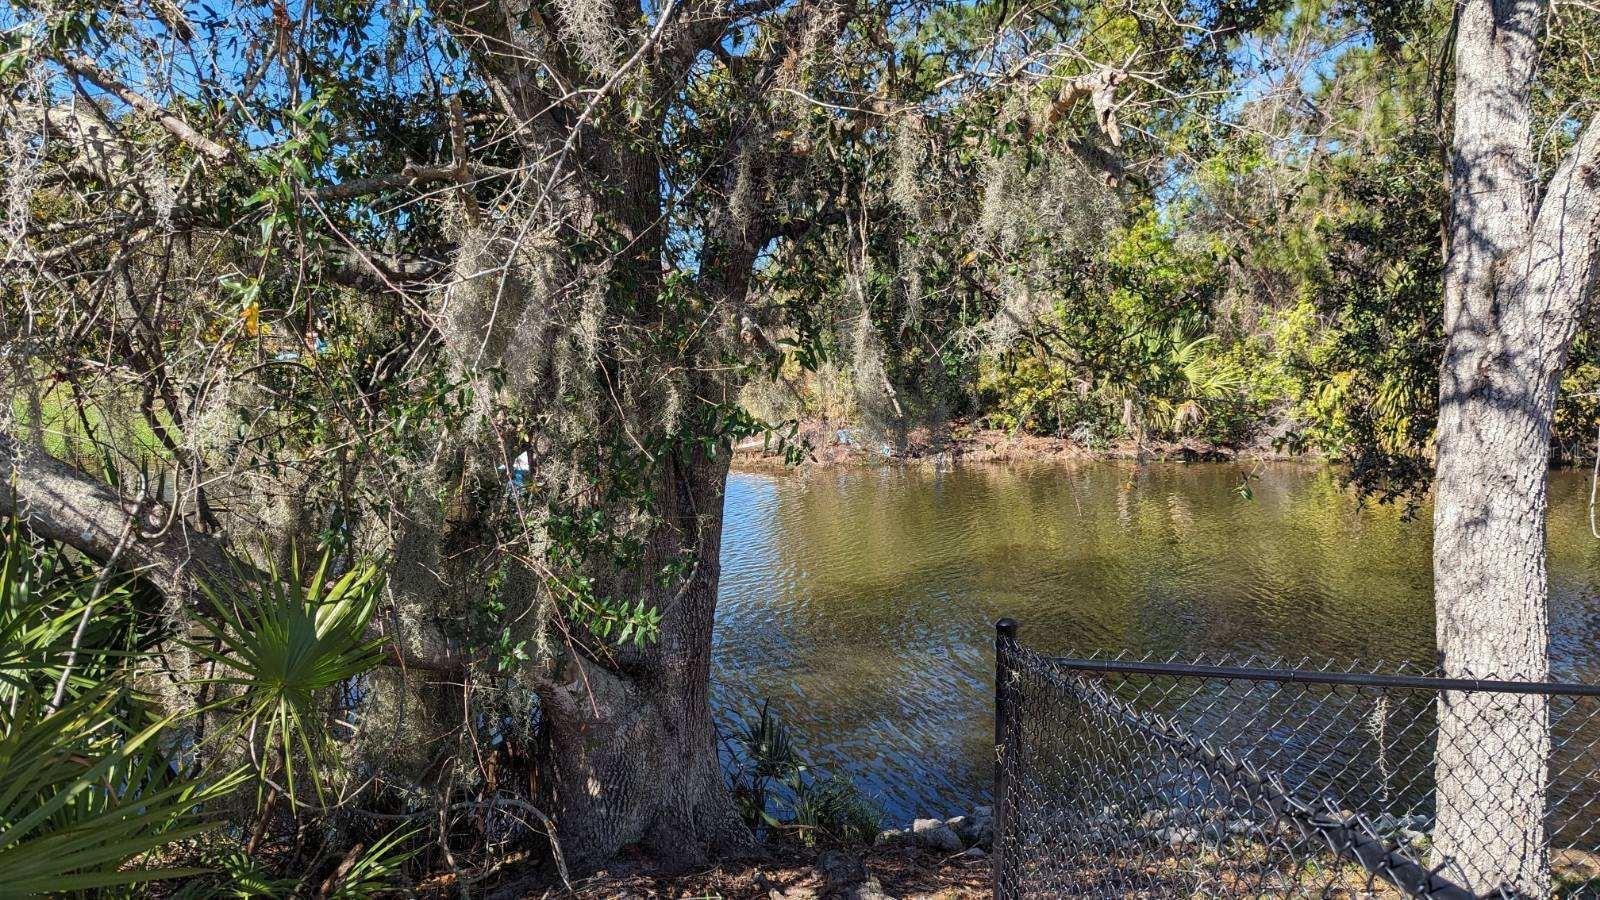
(475, 297)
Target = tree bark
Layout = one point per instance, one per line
(1517, 276)
(629, 755)
(59, 503)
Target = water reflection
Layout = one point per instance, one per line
(861, 603)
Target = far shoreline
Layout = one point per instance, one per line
(825, 452)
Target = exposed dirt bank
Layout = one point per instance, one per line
(838, 447)
(901, 872)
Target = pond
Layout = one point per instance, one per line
(861, 603)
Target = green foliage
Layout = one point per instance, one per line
(830, 808)
(88, 791)
(376, 869)
(1272, 276)
(371, 871)
(1126, 351)
(777, 790)
(108, 792)
(41, 597)
(1365, 348)
(83, 797)
(288, 639)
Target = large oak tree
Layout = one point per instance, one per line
(468, 288)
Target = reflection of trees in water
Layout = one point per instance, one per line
(873, 615)
(1086, 547)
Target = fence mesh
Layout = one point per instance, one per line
(1160, 778)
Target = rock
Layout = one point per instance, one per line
(1177, 836)
(971, 831)
(980, 830)
(1153, 819)
(1104, 823)
(975, 853)
(845, 877)
(1572, 864)
(892, 836)
(934, 834)
(870, 889)
(839, 868)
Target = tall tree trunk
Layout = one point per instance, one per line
(1516, 279)
(630, 754)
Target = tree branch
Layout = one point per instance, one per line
(410, 175)
(87, 68)
(60, 503)
(1563, 246)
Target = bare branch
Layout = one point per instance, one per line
(174, 125)
(410, 175)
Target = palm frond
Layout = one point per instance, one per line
(374, 870)
(78, 801)
(286, 641)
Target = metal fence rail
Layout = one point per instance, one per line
(1158, 778)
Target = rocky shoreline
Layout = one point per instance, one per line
(971, 835)
(964, 840)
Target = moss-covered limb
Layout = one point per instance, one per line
(61, 503)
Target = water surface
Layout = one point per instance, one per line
(861, 603)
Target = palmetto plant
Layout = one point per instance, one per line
(81, 799)
(284, 641)
(374, 870)
(97, 789)
(367, 872)
(1204, 376)
(86, 790)
(1173, 382)
(769, 756)
(773, 775)
(42, 596)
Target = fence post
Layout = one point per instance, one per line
(1005, 742)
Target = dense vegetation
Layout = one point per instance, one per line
(375, 368)
(1259, 264)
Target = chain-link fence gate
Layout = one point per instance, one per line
(1213, 777)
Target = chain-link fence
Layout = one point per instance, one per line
(1243, 778)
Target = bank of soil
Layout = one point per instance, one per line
(835, 446)
(902, 872)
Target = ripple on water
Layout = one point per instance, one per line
(861, 603)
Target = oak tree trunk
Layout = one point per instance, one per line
(629, 755)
